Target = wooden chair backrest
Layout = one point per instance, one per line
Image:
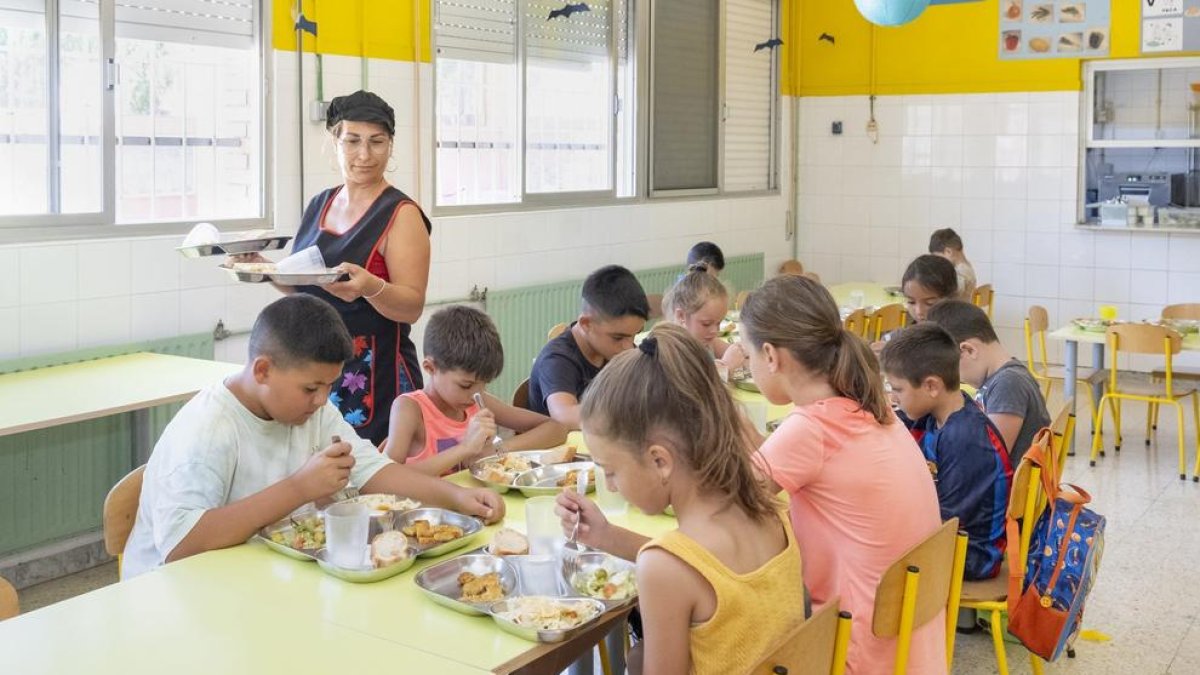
(656, 306)
(556, 330)
(1039, 319)
(520, 397)
(10, 605)
(1063, 428)
(741, 299)
(888, 318)
(808, 649)
(1188, 310)
(792, 267)
(983, 295)
(1139, 338)
(935, 558)
(120, 510)
(814, 276)
(857, 322)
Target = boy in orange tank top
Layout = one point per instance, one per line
(440, 428)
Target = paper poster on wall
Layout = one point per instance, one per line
(1050, 29)
(1170, 26)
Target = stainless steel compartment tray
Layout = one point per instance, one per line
(235, 247)
(367, 572)
(440, 581)
(471, 527)
(544, 480)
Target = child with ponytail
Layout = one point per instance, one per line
(860, 494)
(717, 594)
(699, 302)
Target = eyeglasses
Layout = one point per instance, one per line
(351, 145)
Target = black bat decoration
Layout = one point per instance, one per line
(568, 10)
(828, 38)
(769, 44)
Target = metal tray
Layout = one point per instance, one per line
(544, 481)
(591, 560)
(440, 581)
(235, 247)
(367, 573)
(538, 635)
(471, 527)
(478, 473)
(285, 525)
(314, 279)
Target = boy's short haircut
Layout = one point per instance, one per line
(943, 239)
(921, 351)
(464, 338)
(933, 272)
(963, 321)
(612, 292)
(708, 254)
(298, 330)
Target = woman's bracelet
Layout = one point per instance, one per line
(383, 284)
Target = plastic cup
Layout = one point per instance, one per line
(543, 526)
(857, 299)
(611, 502)
(346, 528)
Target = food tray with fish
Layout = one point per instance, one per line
(259, 272)
(553, 479)
(298, 536)
(236, 245)
(471, 583)
(546, 619)
(433, 532)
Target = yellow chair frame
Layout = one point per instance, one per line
(1140, 339)
(817, 646)
(857, 322)
(1037, 322)
(984, 297)
(886, 319)
(902, 604)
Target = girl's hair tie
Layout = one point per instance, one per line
(649, 346)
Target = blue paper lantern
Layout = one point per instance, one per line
(890, 12)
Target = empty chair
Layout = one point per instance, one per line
(120, 511)
(1037, 322)
(887, 319)
(816, 647)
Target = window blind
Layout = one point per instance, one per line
(748, 95)
(583, 36)
(217, 23)
(684, 123)
(476, 30)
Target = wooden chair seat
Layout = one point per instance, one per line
(987, 590)
(1089, 375)
(1177, 373)
(1137, 384)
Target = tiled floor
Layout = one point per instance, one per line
(1146, 597)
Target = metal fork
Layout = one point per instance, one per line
(497, 444)
(572, 549)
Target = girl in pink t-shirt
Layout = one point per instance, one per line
(859, 489)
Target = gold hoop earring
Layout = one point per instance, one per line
(390, 167)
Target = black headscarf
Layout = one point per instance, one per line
(361, 106)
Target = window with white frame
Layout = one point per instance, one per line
(179, 86)
(531, 108)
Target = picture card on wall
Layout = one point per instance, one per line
(1049, 29)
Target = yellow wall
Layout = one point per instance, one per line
(948, 49)
(381, 29)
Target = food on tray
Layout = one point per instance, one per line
(1192, 12)
(1039, 45)
(1093, 325)
(548, 613)
(304, 534)
(389, 548)
(428, 534)
(572, 477)
(560, 455)
(1070, 42)
(509, 542)
(385, 503)
(254, 267)
(605, 584)
(1182, 326)
(505, 469)
(1072, 13)
(481, 588)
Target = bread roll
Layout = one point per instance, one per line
(509, 542)
(389, 548)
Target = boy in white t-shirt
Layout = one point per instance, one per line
(947, 244)
(248, 451)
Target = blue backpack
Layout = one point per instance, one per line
(1045, 609)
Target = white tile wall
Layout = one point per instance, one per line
(1002, 171)
(93, 293)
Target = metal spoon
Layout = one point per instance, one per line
(497, 444)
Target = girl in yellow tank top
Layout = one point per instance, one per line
(717, 594)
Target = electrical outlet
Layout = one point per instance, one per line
(836, 129)
(318, 111)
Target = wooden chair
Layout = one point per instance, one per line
(984, 297)
(813, 275)
(887, 319)
(817, 646)
(1063, 428)
(1182, 311)
(916, 588)
(1037, 322)
(556, 330)
(520, 397)
(792, 267)
(1146, 339)
(120, 511)
(857, 322)
(741, 300)
(10, 605)
(656, 308)
(990, 596)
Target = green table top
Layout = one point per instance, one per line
(874, 295)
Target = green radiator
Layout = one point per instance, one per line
(53, 481)
(524, 315)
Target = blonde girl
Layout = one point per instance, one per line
(719, 592)
(699, 302)
(859, 490)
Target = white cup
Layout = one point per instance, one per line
(543, 526)
(611, 502)
(857, 299)
(346, 528)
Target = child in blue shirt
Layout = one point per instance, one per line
(964, 450)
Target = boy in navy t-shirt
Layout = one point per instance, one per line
(614, 311)
(965, 453)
